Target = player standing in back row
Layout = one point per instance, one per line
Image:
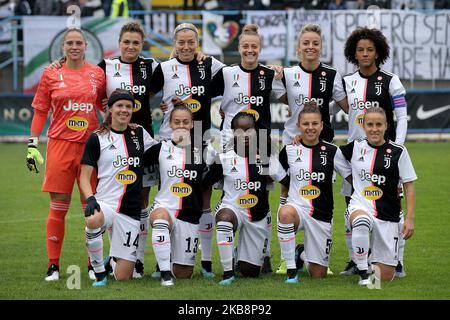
(370, 86)
(73, 94)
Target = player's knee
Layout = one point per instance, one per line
(226, 215)
(359, 219)
(286, 214)
(159, 213)
(94, 221)
(249, 270)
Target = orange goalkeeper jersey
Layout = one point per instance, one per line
(73, 96)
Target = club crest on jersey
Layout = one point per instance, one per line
(247, 201)
(126, 177)
(262, 83)
(135, 140)
(197, 157)
(323, 85)
(378, 88)
(323, 158)
(387, 161)
(144, 72)
(201, 70)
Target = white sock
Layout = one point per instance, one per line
(143, 235)
(286, 237)
(225, 242)
(401, 241)
(348, 237)
(361, 241)
(269, 234)
(94, 243)
(206, 229)
(161, 243)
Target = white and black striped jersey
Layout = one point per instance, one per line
(243, 89)
(134, 77)
(311, 176)
(381, 89)
(376, 172)
(321, 85)
(181, 171)
(245, 181)
(190, 82)
(119, 158)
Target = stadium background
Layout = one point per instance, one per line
(429, 121)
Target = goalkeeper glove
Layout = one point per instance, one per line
(33, 155)
(91, 206)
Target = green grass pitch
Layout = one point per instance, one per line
(23, 261)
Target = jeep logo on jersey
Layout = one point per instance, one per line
(126, 177)
(253, 112)
(374, 178)
(361, 105)
(77, 123)
(181, 189)
(124, 162)
(372, 193)
(303, 99)
(187, 91)
(180, 173)
(133, 89)
(247, 201)
(193, 104)
(74, 106)
(244, 185)
(244, 99)
(310, 192)
(306, 176)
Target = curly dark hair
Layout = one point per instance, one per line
(374, 35)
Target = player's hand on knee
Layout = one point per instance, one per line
(33, 155)
(91, 207)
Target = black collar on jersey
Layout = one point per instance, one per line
(119, 132)
(120, 96)
(367, 77)
(310, 147)
(124, 62)
(193, 61)
(247, 70)
(376, 147)
(307, 71)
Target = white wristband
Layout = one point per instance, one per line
(33, 142)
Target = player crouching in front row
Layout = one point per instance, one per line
(116, 151)
(309, 205)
